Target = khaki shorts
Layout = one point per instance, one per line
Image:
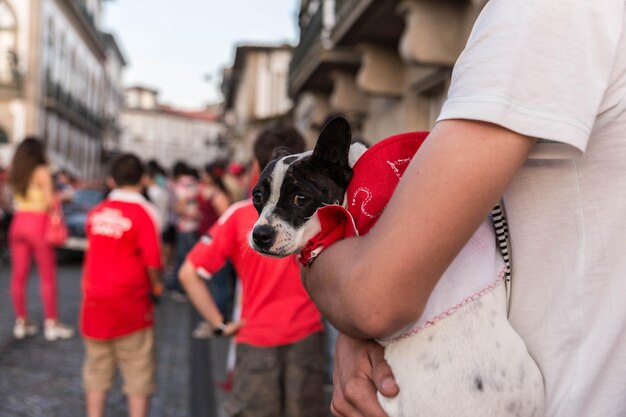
(133, 354)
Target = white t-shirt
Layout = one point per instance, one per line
(556, 70)
(160, 199)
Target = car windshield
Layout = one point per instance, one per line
(85, 199)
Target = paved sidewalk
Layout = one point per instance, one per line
(43, 379)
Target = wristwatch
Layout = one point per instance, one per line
(219, 329)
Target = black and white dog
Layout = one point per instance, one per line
(461, 357)
(292, 187)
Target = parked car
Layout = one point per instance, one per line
(75, 213)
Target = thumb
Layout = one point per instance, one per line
(382, 374)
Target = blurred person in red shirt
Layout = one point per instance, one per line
(280, 363)
(122, 269)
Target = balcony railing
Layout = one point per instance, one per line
(310, 42)
(344, 7)
(69, 104)
(88, 22)
(316, 57)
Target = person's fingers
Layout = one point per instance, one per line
(334, 411)
(382, 374)
(233, 327)
(339, 406)
(354, 390)
(358, 398)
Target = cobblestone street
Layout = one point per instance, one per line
(43, 379)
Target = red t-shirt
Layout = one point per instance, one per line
(123, 242)
(275, 307)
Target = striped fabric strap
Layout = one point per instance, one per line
(498, 216)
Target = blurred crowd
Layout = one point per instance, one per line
(188, 199)
(141, 226)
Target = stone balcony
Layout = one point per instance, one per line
(436, 31)
(401, 53)
(314, 58)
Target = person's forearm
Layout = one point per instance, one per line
(221, 203)
(448, 190)
(199, 294)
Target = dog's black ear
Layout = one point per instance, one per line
(333, 145)
(333, 148)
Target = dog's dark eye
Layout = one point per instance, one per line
(257, 197)
(300, 200)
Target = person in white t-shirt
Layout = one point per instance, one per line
(157, 194)
(536, 112)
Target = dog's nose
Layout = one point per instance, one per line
(264, 235)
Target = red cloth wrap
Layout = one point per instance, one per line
(376, 175)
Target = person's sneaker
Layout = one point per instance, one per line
(24, 327)
(203, 330)
(55, 330)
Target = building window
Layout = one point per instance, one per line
(51, 39)
(8, 35)
(60, 63)
(72, 74)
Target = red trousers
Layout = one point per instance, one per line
(26, 239)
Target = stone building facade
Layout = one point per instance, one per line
(154, 131)
(60, 80)
(385, 64)
(255, 92)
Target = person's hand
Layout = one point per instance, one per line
(232, 327)
(360, 371)
(157, 292)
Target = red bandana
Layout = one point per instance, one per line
(376, 175)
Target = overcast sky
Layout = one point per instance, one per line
(171, 45)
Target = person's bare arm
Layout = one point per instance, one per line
(459, 174)
(43, 179)
(202, 299)
(220, 202)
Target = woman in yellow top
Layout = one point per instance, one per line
(33, 191)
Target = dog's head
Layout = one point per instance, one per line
(292, 187)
